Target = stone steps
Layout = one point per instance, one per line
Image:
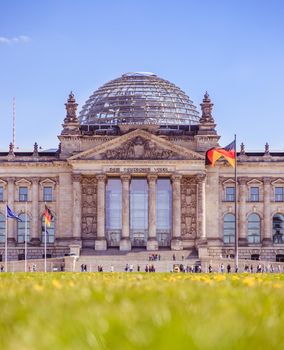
(119, 265)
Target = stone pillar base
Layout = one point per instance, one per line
(75, 249)
(11, 242)
(266, 242)
(35, 242)
(125, 244)
(203, 253)
(100, 244)
(176, 244)
(152, 244)
(243, 242)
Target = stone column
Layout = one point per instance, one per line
(152, 243)
(125, 243)
(176, 243)
(35, 228)
(242, 231)
(267, 222)
(201, 208)
(77, 208)
(12, 224)
(100, 242)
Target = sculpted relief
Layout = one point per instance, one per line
(89, 206)
(139, 148)
(188, 207)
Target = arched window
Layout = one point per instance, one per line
(22, 226)
(278, 228)
(229, 229)
(254, 228)
(49, 230)
(2, 228)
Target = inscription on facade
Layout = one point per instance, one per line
(139, 170)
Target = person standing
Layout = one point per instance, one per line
(228, 268)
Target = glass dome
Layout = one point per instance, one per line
(139, 98)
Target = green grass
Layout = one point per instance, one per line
(141, 311)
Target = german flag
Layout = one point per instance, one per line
(228, 152)
(47, 216)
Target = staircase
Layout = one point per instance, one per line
(141, 258)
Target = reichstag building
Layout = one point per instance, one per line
(130, 173)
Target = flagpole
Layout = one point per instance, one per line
(6, 242)
(26, 235)
(44, 245)
(236, 215)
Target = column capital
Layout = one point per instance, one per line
(152, 177)
(35, 180)
(101, 177)
(125, 177)
(266, 180)
(11, 180)
(242, 180)
(200, 178)
(176, 177)
(76, 177)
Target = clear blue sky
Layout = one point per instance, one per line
(232, 48)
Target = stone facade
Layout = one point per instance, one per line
(77, 175)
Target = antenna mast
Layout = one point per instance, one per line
(14, 123)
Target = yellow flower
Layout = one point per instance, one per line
(219, 278)
(37, 287)
(56, 284)
(249, 281)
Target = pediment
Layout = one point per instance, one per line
(23, 182)
(229, 182)
(138, 145)
(254, 182)
(278, 182)
(47, 182)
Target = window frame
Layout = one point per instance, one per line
(2, 228)
(45, 195)
(281, 195)
(230, 197)
(1, 193)
(254, 197)
(252, 229)
(231, 237)
(21, 227)
(23, 197)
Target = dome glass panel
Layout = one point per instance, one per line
(139, 98)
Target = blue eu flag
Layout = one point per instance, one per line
(11, 214)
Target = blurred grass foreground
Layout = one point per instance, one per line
(141, 311)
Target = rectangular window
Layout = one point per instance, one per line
(254, 194)
(230, 194)
(1, 194)
(47, 194)
(278, 194)
(23, 194)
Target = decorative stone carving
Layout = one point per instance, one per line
(89, 206)
(188, 207)
(139, 148)
(206, 108)
(76, 177)
(71, 108)
(35, 152)
(71, 124)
